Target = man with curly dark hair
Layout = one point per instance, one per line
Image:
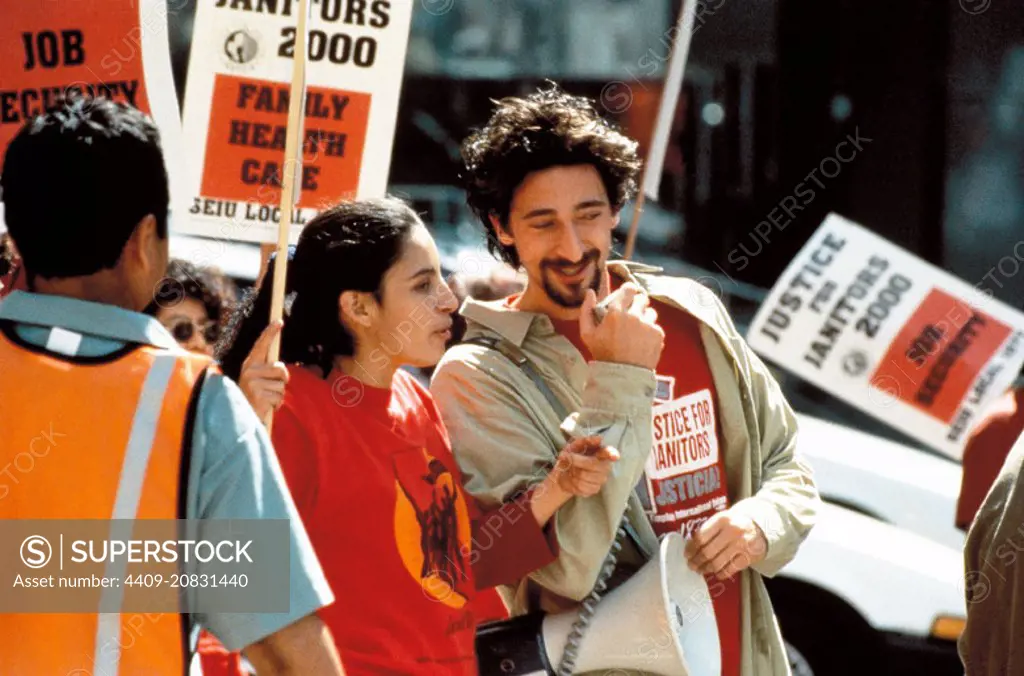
(706, 438)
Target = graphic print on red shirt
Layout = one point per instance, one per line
(432, 528)
(685, 473)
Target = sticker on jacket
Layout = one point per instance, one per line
(683, 472)
(664, 389)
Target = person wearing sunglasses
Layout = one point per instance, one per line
(193, 303)
(187, 330)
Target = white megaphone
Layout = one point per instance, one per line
(660, 621)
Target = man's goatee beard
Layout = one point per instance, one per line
(575, 300)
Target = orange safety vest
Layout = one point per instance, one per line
(107, 438)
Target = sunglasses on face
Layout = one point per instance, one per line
(184, 329)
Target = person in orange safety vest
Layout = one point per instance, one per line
(104, 416)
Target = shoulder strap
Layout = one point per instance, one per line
(519, 358)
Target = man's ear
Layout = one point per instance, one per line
(504, 236)
(616, 215)
(142, 247)
(357, 308)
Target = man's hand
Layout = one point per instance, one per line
(627, 333)
(263, 383)
(725, 545)
(584, 466)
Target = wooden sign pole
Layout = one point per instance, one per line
(651, 177)
(292, 162)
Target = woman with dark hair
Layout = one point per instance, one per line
(365, 454)
(194, 304)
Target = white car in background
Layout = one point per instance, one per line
(897, 484)
(876, 588)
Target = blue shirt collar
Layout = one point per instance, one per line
(85, 317)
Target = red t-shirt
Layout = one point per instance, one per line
(216, 660)
(986, 451)
(685, 472)
(373, 477)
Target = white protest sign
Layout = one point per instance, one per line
(236, 109)
(900, 339)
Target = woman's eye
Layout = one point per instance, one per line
(423, 286)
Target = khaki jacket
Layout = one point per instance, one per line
(992, 643)
(505, 436)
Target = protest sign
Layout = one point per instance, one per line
(236, 110)
(683, 465)
(113, 48)
(891, 334)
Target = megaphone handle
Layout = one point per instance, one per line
(567, 664)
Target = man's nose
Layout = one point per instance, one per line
(570, 246)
